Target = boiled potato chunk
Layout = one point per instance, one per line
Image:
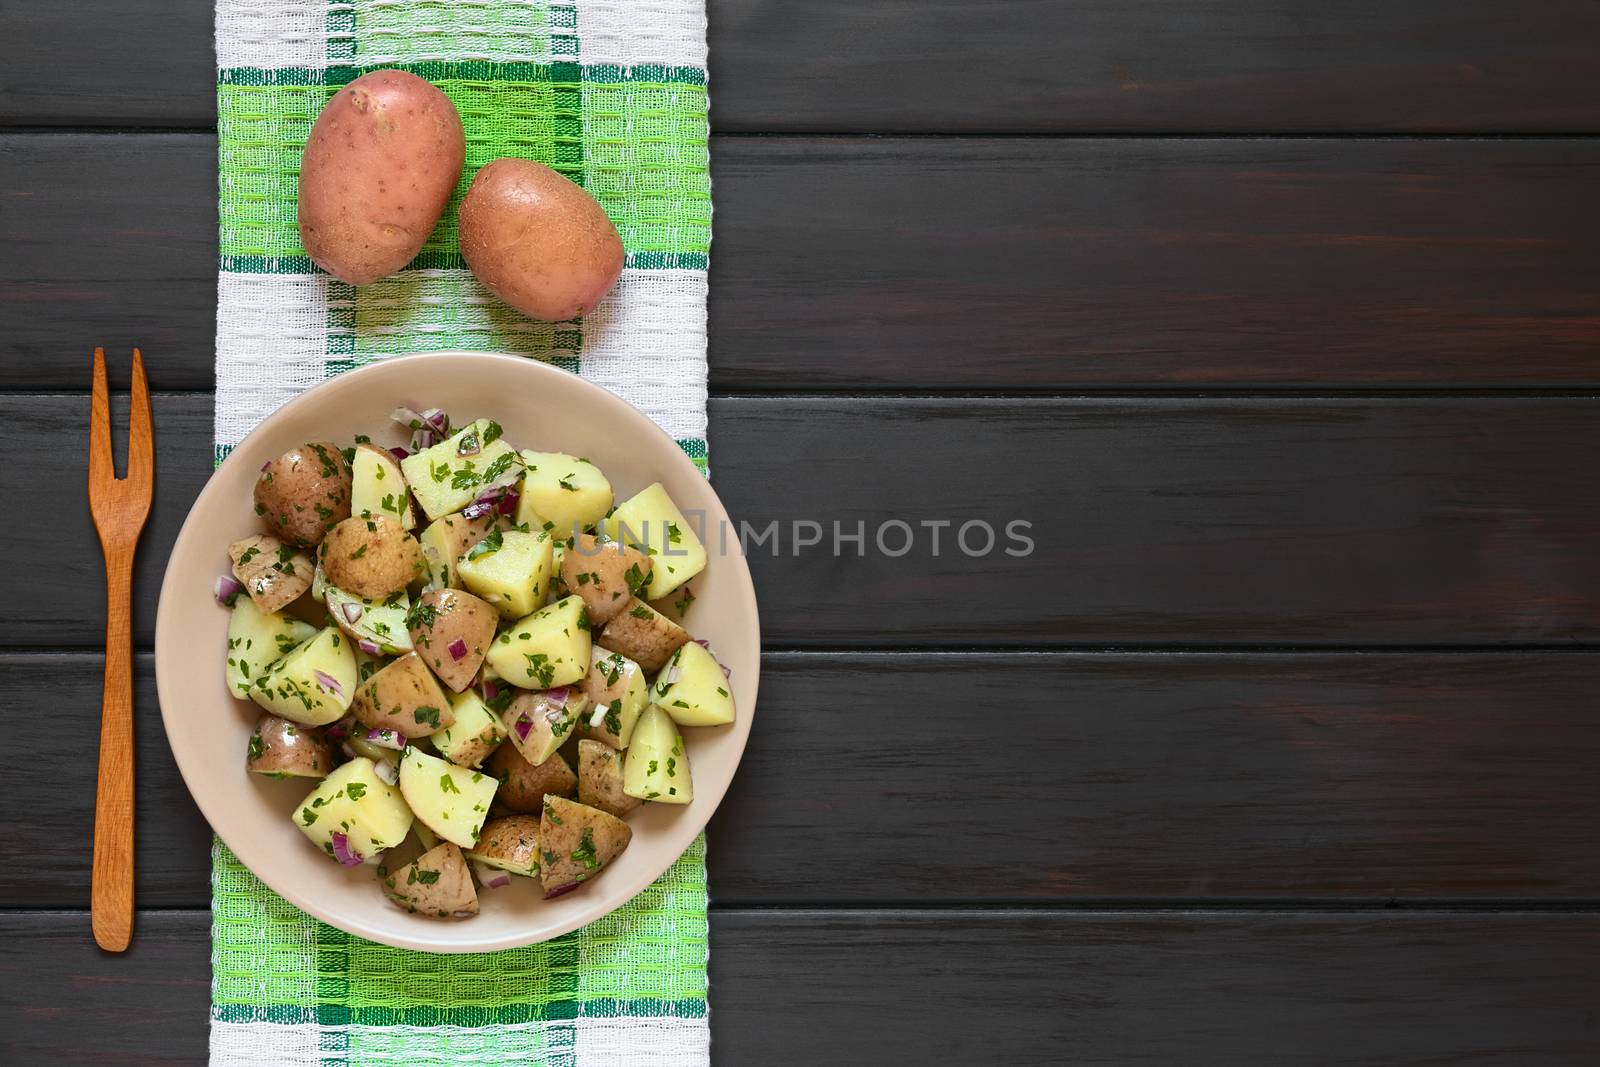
(546, 649)
(304, 492)
(370, 557)
(600, 779)
(437, 883)
(273, 573)
(404, 697)
(450, 475)
(445, 541)
(565, 490)
(382, 622)
(693, 688)
(617, 695)
(452, 630)
(354, 802)
(605, 573)
(657, 767)
(576, 842)
(257, 640)
(523, 785)
(378, 487)
(312, 685)
(510, 843)
(451, 801)
(652, 522)
(475, 733)
(510, 570)
(539, 723)
(644, 635)
(283, 749)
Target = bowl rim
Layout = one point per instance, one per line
(614, 895)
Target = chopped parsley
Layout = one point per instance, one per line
(584, 853)
(356, 790)
(447, 784)
(490, 544)
(258, 747)
(641, 612)
(424, 876)
(427, 714)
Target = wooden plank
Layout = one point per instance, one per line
(982, 265)
(907, 987)
(898, 778)
(832, 65)
(1154, 521)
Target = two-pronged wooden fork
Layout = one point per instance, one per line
(119, 507)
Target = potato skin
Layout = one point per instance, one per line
(523, 786)
(538, 241)
(370, 557)
(377, 173)
(443, 616)
(403, 697)
(283, 749)
(304, 493)
(437, 884)
(644, 635)
(273, 573)
(599, 571)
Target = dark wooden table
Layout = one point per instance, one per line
(1281, 323)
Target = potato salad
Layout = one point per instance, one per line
(473, 654)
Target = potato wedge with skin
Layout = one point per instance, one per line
(693, 688)
(600, 779)
(537, 240)
(606, 574)
(566, 491)
(449, 475)
(370, 557)
(403, 697)
(366, 812)
(540, 722)
(618, 693)
(378, 622)
(658, 765)
(475, 733)
(437, 884)
(523, 785)
(451, 631)
(283, 749)
(544, 650)
(576, 842)
(644, 635)
(377, 171)
(445, 541)
(273, 573)
(314, 684)
(652, 522)
(509, 843)
(377, 487)
(451, 801)
(304, 493)
(257, 640)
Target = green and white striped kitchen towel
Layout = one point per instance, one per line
(613, 94)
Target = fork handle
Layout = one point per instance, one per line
(111, 912)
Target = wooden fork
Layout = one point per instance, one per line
(119, 507)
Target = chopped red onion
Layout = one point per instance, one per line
(491, 692)
(329, 682)
(386, 739)
(399, 453)
(387, 771)
(562, 890)
(226, 589)
(343, 852)
(522, 726)
(340, 730)
(265, 465)
(559, 694)
(490, 877)
(458, 649)
(369, 647)
(477, 508)
(436, 418)
(352, 612)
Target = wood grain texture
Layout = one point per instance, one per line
(981, 779)
(119, 507)
(918, 987)
(941, 65)
(1155, 521)
(975, 264)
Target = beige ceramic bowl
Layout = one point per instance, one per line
(541, 408)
